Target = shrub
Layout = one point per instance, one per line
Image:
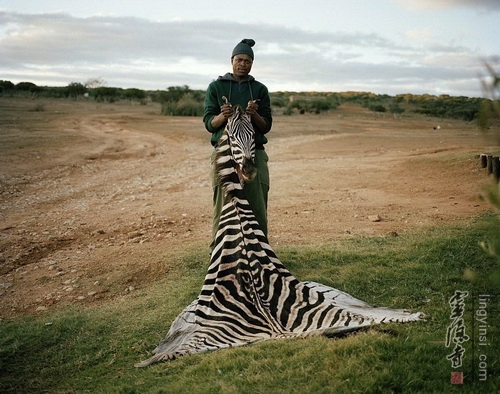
(188, 106)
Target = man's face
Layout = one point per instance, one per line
(242, 64)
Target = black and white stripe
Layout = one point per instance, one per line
(248, 295)
(240, 150)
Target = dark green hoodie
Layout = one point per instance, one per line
(237, 93)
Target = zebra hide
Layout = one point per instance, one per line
(249, 296)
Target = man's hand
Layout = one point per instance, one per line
(226, 110)
(252, 108)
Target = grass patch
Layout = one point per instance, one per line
(93, 350)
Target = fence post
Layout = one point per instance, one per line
(484, 160)
(489, 165)
(496, 167)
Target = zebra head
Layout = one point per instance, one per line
(241, 136)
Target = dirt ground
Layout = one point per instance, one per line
(96, 200)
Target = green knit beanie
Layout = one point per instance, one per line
(244, 48)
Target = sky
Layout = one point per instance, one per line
(380, 46)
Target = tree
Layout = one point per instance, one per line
(490, 109)
(6, 86)
(134, 94)
(75, 89)
(490, 115)
(173, 93)
(104, 93)
(181, 101)
(94, 83)
(27, 87)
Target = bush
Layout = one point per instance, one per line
(181, 101)
(316, 105)
(394, 108)
(38, 108)
(6, 86)
(75, 89)
(377, 108)
(188, 106)
(134, 94)
(106, 94)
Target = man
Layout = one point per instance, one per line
(241, 88)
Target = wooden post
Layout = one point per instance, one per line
(484, 160)
(496, 167)
(489, 165)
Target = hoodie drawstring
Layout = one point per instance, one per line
(250, 88)
(231, 89)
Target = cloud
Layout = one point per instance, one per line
(430, 5)
(61, 38)
(56, 49)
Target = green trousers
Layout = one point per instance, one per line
(255, 192)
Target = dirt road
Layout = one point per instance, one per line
(95, 199)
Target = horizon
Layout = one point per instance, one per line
(270, 92)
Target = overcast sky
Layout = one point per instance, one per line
(381, 46)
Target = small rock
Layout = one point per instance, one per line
(374, 218)
(41, 308)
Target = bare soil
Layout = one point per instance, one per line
(96, 200)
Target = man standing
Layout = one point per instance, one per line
(241, 88)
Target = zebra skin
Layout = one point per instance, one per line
(248, 295)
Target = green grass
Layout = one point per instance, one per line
(93, 350)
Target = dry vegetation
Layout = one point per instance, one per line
(96, 200)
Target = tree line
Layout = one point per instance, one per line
(183, 101)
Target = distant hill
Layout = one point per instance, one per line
(183, 101)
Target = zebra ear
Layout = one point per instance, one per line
(237, 108)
